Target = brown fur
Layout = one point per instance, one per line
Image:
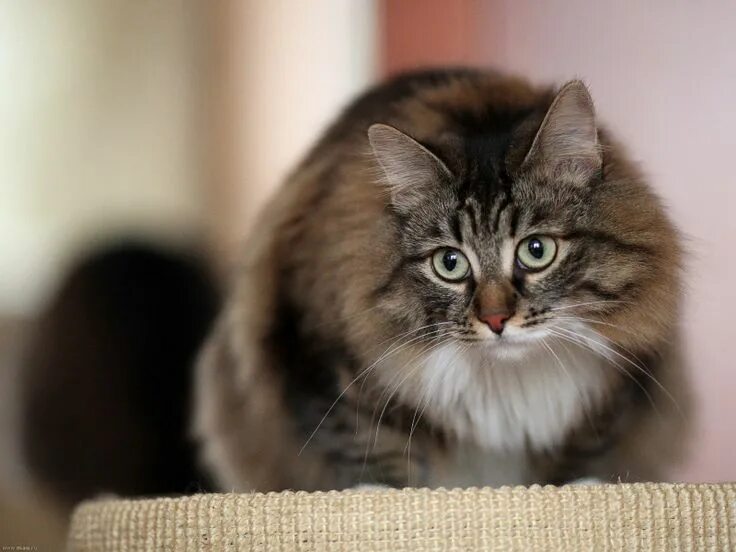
(283, 399)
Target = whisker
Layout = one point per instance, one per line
(411, 372)
(589, 303)
(396, 376)
(391, 350)
(385, 355)
(581, 319)
(407, 448)
(432, 325)
(437, 341)
(424, 403)
(616, 326)
(575, 384)
(639, 367)
(579, 340)
(629, 351)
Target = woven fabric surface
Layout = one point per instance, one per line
(627, 517)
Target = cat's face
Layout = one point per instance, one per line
(507, 260)
(503, 267)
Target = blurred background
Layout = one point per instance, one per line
(170, 123)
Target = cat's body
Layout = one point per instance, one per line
(347, 355)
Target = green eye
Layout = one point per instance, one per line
(450, 264)
(536, 253)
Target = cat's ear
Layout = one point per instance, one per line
(410, 170)
(566, 143)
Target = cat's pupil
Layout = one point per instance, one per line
(450, 260)
(536, 248)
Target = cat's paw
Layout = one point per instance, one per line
(587, 481)
(370, 487)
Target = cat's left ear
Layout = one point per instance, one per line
(566, 144)
(410, 169)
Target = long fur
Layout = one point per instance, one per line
(342, 359)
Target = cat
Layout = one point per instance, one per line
(465, 282)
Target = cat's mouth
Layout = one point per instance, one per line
(514, 332)
(515, 337)
(513, 344)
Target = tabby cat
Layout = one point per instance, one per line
(466, 282)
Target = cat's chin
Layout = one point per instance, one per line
(514, 344)
(511, 351)
(509, 347)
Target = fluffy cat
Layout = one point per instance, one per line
(465, 282)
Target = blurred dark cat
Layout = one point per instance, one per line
(107, 375)
(466, 282)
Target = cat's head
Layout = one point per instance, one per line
(540, 230)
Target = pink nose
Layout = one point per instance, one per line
(496, 321)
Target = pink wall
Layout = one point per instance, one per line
(428, 32)
(664, 76)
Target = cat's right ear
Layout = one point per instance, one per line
(411, 171)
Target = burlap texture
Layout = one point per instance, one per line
(600, 517)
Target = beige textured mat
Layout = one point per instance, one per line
(600, 517)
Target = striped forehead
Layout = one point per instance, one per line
(489, 230)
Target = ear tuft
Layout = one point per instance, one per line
(567, 140)
(410, 169)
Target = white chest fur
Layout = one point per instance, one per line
(502, 402)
